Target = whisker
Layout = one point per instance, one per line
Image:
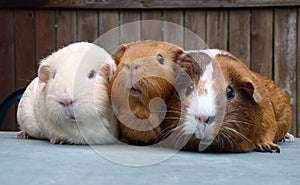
(238, 133)
(164, 133)
(228, 141)
(236, 121)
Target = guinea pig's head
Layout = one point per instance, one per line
(76, 79)
(145, 69)
(216, 94)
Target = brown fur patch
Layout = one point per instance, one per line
(257, 116)
(138, 67)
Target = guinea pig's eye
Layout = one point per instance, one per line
(189, 90)
(160, 59)
(92, 74)
(229, 93)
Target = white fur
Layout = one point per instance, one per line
(201, 104)
(40, 114)
(212, 53)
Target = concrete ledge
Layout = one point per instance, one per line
(39, 162)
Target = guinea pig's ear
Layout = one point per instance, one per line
(107, 71)
(251, 89)
(186, 62)
(44, 73)
(119, 53)
(182, 60)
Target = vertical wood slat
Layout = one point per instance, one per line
(173, 32)
(66, 27)
(108, 37)
(194, 34)
(297, 112)
(239, 34)
(25, 61)
(217, 29)
(7, 77)
(26, 64)
(262, 41)
(151, 25)
(130, 30)
(285, 54)
(87, 25)
(45, 33)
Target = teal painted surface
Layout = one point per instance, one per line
(39, 162)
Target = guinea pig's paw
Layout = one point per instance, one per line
(290, 137)
(268, 147)
(56, 141)
(22, 135)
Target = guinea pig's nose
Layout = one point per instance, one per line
(202, 119)
(67, 102)
(132, 67)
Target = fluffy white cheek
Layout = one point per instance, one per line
(91, 98)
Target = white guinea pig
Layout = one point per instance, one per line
(68, 101)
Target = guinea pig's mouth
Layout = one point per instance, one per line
(69, 113)
(135, 91)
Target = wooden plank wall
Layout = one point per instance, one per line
(266, 39)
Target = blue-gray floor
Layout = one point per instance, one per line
(39, 162)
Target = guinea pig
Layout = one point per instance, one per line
(225, 107)
(140, 86)
(68, 101)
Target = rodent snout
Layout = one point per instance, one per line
(66, 102)
(204, 119)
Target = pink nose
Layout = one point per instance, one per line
(67, 102)
(202, 119)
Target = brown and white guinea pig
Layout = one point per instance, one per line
(68, 101)
(142, 82)
(225, 107)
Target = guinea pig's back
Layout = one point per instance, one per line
(281, 106)
(26, 112)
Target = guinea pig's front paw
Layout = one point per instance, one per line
(22, 135)
(56, 141)
(268, 147)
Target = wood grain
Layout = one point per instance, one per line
(285, 54)
(87, 25)
(132, 4)
(173, 31)
(7, 65)
(239, 34)
(66, 27)
(217, 29)
(108, 36)
(194, 34)
(297, 112)
(151, 25)
(45, 33)
(25, 48)
(130, 26)
(262, 41)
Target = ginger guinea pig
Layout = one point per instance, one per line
(141, 84)
(68, 101)
(225, 107)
